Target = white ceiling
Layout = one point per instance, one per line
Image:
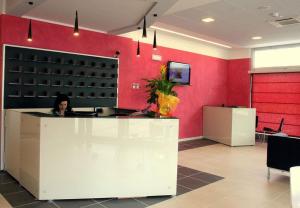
(236, 21)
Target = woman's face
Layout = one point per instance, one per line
(63, 105)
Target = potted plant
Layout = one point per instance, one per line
(160, 92)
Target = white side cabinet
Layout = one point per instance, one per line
(295, 186)
(230, 126)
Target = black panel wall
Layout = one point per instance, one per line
(33, 79)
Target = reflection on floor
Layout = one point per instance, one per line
(187, 180)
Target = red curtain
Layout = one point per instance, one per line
(276, 96)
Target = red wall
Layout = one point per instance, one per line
(208, 85)
(239, 82)
(209, 76)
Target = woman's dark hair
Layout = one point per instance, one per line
(60, 98)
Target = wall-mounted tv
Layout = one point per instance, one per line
(178, 73)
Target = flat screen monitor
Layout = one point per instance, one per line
(178, 73)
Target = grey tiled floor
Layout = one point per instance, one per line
(187, 180)
(195, 144)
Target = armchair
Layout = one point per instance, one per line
(272, 131)
(268, 131)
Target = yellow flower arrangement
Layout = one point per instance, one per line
(166, 103)
(162, 94)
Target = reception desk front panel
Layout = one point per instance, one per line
(69, 158)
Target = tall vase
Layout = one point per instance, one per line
(166, 103)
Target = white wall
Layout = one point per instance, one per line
(2, 6)
(239, 53)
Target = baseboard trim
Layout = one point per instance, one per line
(190, 138)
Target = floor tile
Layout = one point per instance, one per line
(4, 203)
(179, 176)
(76, 203)
(38, 204)
(123, 203)
(206, 177)
(153, 200)
(19, 198)
(101, 200)
(182, 190)
(94, 206)
(185, 145)
(231, 202)
(6, 178)
(191, 183)
(187, 171)
(10, 188)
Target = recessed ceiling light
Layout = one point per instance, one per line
(256, 38)
(208, 19)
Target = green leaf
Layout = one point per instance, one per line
(160, 84)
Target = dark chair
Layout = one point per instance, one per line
(282, 152)
(256, 122)
(259, 134)
(268, 131)
(273, 131)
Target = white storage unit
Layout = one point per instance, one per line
(230, 126)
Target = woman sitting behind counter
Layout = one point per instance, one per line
(62, 105)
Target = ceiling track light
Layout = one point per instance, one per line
(144, 28)
(154, 41)
(29, 36)
(76, 28)
(138, 49)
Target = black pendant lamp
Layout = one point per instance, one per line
(138, 49)
(154, 41)
(76, 28)
(29, 36)
(144, 28)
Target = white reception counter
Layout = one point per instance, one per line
(230, 126)
(72, 158)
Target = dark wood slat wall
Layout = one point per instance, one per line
(33, 78)
(277, 96)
